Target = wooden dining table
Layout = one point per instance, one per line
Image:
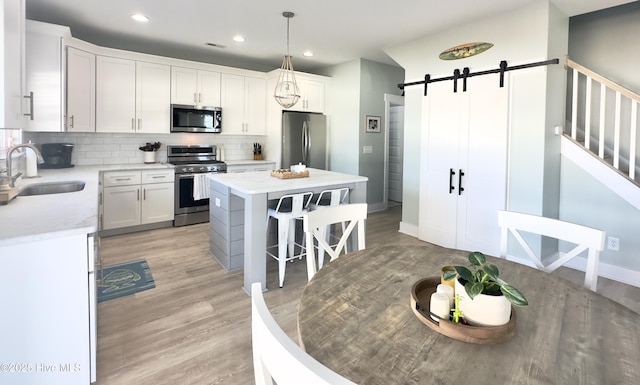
(355, 317)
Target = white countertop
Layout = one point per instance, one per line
(247, 161)
(260, 182)
(33, 218)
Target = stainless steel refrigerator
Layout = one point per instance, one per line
(304, 139)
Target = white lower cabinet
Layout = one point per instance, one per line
(47, 289)
(132, 198)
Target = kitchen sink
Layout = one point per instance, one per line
(52, 188)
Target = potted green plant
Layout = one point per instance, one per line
(485, 298)
(149, 150)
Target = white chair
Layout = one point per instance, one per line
(314, 223)
(289, 209)
(585, 238)
(277, 357)
(328, 198)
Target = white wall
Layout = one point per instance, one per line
(607, 42)
(376, 79)
(343, 102)
(357, 90)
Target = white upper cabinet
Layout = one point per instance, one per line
(153, 95)
(243, 102)
(13, 21)
(81, 91)
(190, 86)
(312, 93)
(132, 96)
(311, 96)
(115, 94)
(44, 77)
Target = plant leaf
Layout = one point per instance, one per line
(492, 271)
(464, 273)
(449, 274)
(476, 258)
(473, 289)
(513, 295)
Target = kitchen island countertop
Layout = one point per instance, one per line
(39, 217)
(260, 182)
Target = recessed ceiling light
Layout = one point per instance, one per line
(307, 54)
(139, 17)
(238, 39)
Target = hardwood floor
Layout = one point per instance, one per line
(194, 327)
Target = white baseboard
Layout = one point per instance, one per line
(605, 270)
(408, 229)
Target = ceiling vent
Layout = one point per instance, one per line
(214, 45)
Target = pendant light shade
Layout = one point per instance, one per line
(287, 92)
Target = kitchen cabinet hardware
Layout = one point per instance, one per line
(30, 97)
(451, 175)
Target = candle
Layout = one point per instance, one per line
(439, 306)
(446, 290)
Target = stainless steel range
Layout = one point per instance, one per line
(190, 160)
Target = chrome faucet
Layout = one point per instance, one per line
(10, 176)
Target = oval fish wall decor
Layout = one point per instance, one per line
(464, 51)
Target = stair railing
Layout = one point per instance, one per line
(582, 100)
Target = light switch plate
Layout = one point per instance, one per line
(217, 202)
(367, 149)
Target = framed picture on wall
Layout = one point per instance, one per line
(372, 124)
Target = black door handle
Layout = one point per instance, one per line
(460, 188)
(451, 175)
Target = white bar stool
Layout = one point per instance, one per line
(290, 208)
(329, 198)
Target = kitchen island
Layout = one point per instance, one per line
(238, 213)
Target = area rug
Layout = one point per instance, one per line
(124, 279)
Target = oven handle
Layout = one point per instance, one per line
(185, 176)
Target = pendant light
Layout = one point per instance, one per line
(287, 92)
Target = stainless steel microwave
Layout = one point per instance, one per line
(186, 118)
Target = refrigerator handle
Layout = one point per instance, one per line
(305, 142)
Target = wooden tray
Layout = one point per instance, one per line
(287, 174)
(484, 335)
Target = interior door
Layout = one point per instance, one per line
(396, 155)
(484, 161)
(438, 181)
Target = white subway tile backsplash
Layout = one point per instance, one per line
(102, 148)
